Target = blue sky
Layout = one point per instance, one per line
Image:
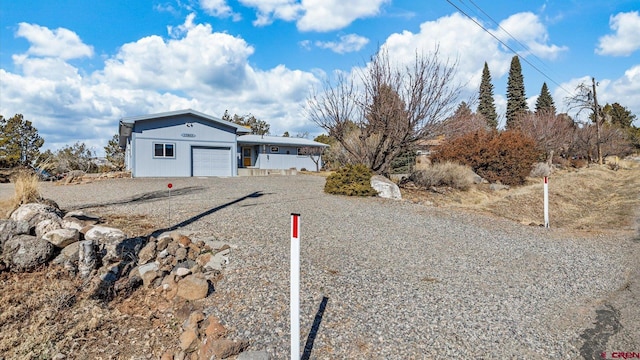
(75, 67)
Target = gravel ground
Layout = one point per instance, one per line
(395, 280)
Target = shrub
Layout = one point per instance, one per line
(350, 180)
(444, 174)
(496, 156)
(540, 169)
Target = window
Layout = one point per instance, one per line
(163, 150)
(274, 149)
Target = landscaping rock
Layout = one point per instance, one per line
(213, 329)
(10, 228)
(62, 238)
(68, 254)
(147, 253)
(386, 188)
(33, 213)
(222, 348)
(109, 240)
(189, 340)
(26, 252)
(47, 225)
(147, 267)
(81, 217)
(193, 287)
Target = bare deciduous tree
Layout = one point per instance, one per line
(552, 133)
(386, 107)
(585, 99)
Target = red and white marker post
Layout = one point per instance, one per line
(169, 185)
(546, 201)
(295, 286)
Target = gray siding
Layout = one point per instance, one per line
(174, 130)
(282, 160)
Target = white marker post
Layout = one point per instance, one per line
(295, 286)
(546, 201)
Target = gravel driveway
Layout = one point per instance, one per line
(385, 279)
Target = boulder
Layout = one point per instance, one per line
(68, 255)
(109, 240)
(193, 287)
(47, 225)
(33, 213)
(386, 188)
(26, 252)
(62, 238)
(10, 228)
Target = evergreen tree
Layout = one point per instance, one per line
(545, 101)
(463, 111)
(114, 153)
(618, 115)
(19, 141)
(516, 99)
(486, 104)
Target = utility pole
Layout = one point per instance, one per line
(595, 116)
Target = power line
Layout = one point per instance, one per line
(509, 47)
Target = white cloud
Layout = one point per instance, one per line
(328, 15)
(314, 15)
(61, 42)
(528, 30)
(626, 39)
(347, 43)
(269, 10)
(219, 8)
(196, 68)
(457, 39)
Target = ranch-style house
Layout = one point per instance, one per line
(188, 143)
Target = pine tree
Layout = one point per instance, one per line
(486, 104)
(516, 99)
(19, 141)
(545, 101)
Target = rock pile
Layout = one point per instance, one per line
(170, 263)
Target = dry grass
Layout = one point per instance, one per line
(591, 199)
(27, 190)
(444, 174)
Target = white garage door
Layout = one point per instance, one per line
(211, 161)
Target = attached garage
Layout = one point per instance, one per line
(180, 144)
(211, 161)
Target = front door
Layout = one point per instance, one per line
(246, 156)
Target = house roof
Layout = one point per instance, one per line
(126, 124)
(277, 140)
